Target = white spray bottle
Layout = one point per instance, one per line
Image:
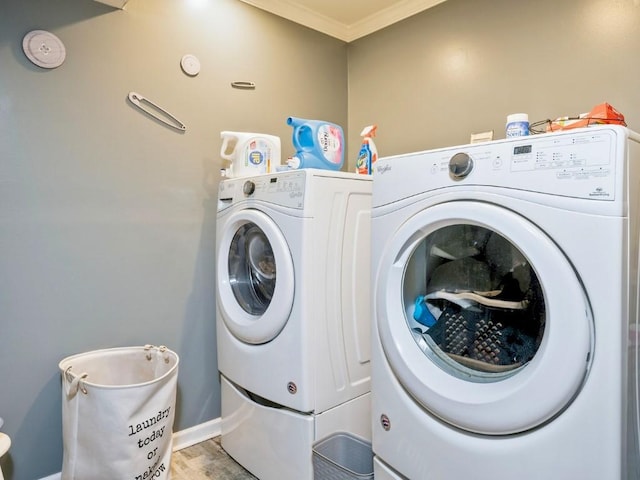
(368, 152)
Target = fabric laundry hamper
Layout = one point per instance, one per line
(118, 407)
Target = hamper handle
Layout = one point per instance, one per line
(161, 349)
(75, 383)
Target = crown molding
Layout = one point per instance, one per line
(290, 10)
(114, 3)
(388, 16)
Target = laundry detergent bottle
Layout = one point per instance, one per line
(250, 153)
(318, 144)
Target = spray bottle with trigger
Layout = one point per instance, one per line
(368, 152)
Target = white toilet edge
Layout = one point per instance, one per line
(5, 443)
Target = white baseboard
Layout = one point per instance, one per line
(55, 476)
(196, 434)
(182, 439)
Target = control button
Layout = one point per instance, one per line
(460, 165)
(249, 187)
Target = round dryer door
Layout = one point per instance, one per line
(255, 277)
(482, 318)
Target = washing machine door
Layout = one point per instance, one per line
(482, 318)
(255, 277)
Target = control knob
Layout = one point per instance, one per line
(460, 165)
(248, 188)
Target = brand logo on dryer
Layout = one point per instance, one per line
(383, 168)
(600, 192)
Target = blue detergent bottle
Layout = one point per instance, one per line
(318, 144)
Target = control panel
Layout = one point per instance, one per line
(581, 165)
(586, 163)
(285, 189)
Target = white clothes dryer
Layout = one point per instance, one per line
(293, 315)
(506, 307)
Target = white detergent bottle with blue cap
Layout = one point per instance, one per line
(318, 144)
(250, 153)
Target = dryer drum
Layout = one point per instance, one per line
(260, 256)
(252, 269)
(261, 265)
(484, 301)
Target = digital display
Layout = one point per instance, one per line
(521, 149)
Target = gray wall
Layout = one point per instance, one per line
(464, 65)
(107, 218)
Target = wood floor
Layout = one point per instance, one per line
(204, 461)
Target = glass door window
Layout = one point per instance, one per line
(479, 312)
(252, 269)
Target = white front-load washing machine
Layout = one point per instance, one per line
(293, 315)
(506, 309)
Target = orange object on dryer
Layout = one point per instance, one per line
(599, 115)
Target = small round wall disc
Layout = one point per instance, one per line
(190, 65)
(44, 49)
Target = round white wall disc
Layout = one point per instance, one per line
(44, 49)
(190, 65)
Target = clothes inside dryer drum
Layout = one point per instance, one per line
(487, 339)
(483, 304)
(252, 269)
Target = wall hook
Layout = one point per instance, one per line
(244, 85)
(155, 111)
